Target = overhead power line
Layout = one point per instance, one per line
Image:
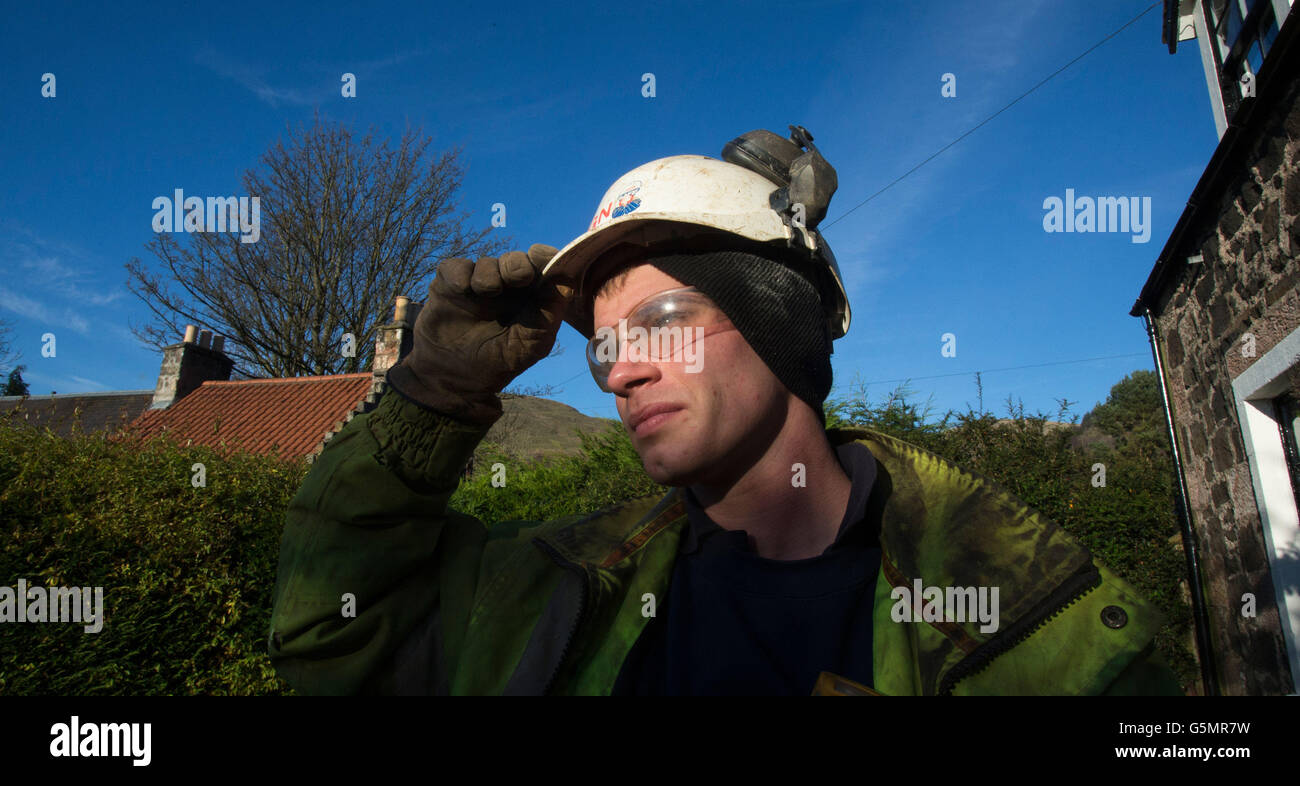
(1008, 368)
(1042, 82)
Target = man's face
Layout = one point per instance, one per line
(702, 427)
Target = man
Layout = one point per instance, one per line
(786, 560)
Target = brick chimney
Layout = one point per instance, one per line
(198, 358)
(394, 339)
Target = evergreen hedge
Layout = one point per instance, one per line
(187, 572)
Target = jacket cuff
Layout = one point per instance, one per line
(426, 449)
(441, 395)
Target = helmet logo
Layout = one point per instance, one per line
(626, 202)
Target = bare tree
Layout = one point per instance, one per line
(7, 356)
(346, 225)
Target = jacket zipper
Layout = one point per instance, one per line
(582, 607)
(1083, 581)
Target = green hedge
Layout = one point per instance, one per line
(187, 573)
(607, 472)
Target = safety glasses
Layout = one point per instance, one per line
(664, 328)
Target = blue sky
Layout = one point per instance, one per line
(546, 101)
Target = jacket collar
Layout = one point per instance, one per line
(937, 522)
(608, 537)
(952, 527)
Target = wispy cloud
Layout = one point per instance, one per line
(12, 301)
(370, 66)
(54, 276)
(89, 382)
(43, 384)
(57, 294)
(54, 268)
(40, 312)
(251, 78)
(254, 79)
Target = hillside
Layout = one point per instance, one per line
(533, 427)
(1086, 434)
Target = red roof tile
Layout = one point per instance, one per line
(287, 417)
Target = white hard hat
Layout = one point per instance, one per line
(694, 198)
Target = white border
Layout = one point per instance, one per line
(1253, 389)
(1211, 73)
(1281, 8)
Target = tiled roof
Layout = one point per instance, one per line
(63, 413)
(289, 417)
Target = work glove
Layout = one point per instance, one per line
(483, 324)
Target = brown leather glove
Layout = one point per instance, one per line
(483, 325)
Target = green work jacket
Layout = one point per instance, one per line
(382, 589)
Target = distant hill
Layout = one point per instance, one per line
(1048, 425)
(1086, 434)
(535, 427)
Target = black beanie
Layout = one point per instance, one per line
(775, 308)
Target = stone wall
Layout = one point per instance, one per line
(1245, 283)
(185, 366)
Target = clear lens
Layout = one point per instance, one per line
(661, 328)
(599, 369)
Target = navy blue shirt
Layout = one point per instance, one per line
(734, 623)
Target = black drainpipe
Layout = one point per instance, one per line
(1183, 505)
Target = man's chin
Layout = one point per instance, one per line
(672, 473)
(668, 473)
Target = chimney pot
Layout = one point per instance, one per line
(399, 313)
(219, 343)
(184, 369)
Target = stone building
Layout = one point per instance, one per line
(1222, 310)
(195, 400)
(68, 413)
(292, 417)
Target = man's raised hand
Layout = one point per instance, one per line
(484, 324)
